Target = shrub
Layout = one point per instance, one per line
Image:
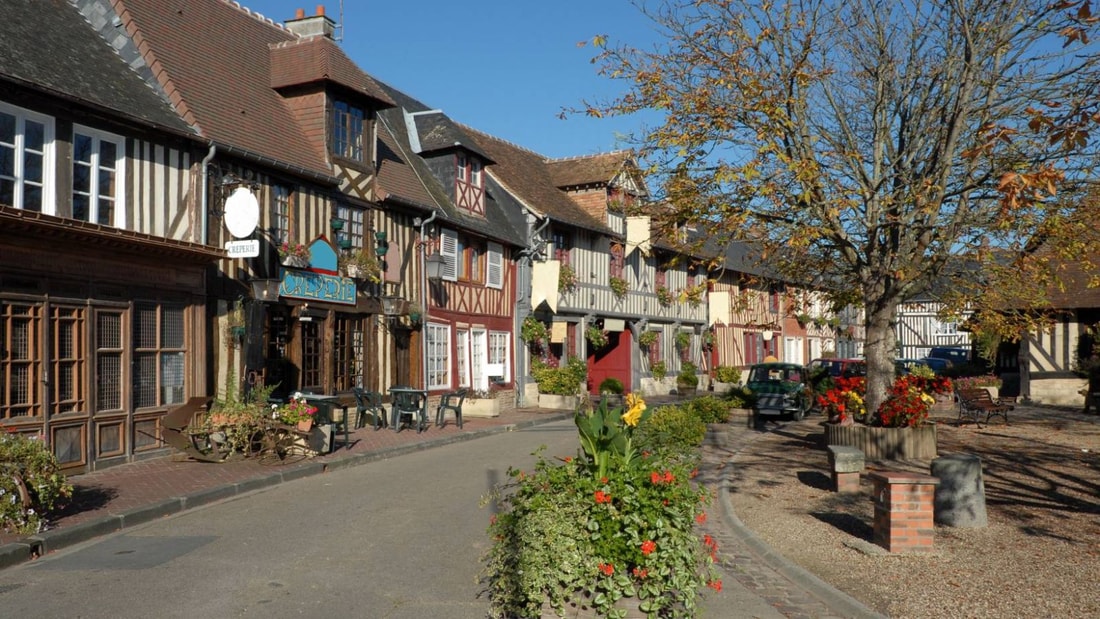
(711, 409)
(562, 380)
(740, 397)
(611, 385)
(31, 483)
(659, 369)
(674, 429)
(687, 377)
(727, 374)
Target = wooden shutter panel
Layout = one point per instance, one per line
(448, 248)
(495, 274)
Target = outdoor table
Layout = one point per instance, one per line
(409, 401)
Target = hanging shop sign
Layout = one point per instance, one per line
(317, 287)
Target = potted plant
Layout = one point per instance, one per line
(415, 312)
(664, 296)
(899, 429)
(296, 412)
(611, 390)
(481, 403)
(618, 287)
(659, 370)
(559, 384)
(32, 485)
(361, 264)
(567, 278)
(725, 378)
(687, 380)
(610, 533)
(294, 255)
(596, 336)
(647, 338)
(533, 331)
(683, 340)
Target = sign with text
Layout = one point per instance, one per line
(317, 287)
(243, 249)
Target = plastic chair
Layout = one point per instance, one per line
(450, 402)
(369, 403)
(407, 403)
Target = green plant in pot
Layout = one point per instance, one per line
(596, 336)
(361, 264)
(647, 338)
(612, 529)
(618, 287)
(727, 374)
(659, 370)
(687, 380)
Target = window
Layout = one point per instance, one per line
(280, 213)
(498, 356)
(469, 253)
(616, 260)
(98, 166)
(352, 232)
(773, 299)
(108, 361)
(26, 154)
(562, 246)
(347, 128)
(20, 365)
(436, 340)
(67, 386)
(469, 192)
(462, 347)
(159, 355)
(312, 378)
(347, 352)
(654, 350)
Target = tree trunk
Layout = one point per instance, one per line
(880, 349)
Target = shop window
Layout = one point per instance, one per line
(499, 360)
(67, 362)
(350, 334)
(108, 361)
(312, 345)
(159, 355)
(436, 339)
(20, 365)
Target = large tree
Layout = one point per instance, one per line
(864, 143)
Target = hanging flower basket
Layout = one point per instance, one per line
(294, 262)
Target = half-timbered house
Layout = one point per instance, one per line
(103, 268)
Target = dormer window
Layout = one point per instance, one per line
(469, 189)
(347, 131)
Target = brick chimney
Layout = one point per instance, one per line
(317, 25)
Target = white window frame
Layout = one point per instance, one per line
(49, 204)
(437, 342)
(475, 172)
(460, 167)
(494, 266)
(95, 193)
(462, 356)
(498, 355)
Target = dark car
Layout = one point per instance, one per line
(839, 367)
(937, 365)
(780, 389)
(957, 355)
(905, 366)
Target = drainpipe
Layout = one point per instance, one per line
(205, 192)
(427, 302)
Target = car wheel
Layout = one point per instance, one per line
(798, 414)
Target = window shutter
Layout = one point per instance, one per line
(495, 275)
(448, 248)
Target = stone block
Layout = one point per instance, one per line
(960, 495)
(845, 459)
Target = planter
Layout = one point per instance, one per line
(558, 402)
(294, 262)
(613, 399)
(305, 425)
(686, 390)
(722, 388)
(486, 407)
(917, 443)
(580, 607)
(353, 271)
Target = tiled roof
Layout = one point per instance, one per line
(315, 59)
(405, 176)
(212, 53)
(588, 169)
(50, 46)
(527, 174)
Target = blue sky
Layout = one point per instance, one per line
(506, 67)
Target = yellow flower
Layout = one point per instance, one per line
(635, 405)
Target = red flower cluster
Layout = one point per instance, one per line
(906, 405)
(648, 546)
(602, 497)
(715, 584)
(657, 478)
(701, 518)
(606, 568)
(640, 572)
(835, 401)
(712, 548)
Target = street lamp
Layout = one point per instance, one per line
(433, 267)
(391, 306)
(265, 290)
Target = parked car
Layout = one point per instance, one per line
(957, 355)
(840, 367)
(904, 366)
(780, 389)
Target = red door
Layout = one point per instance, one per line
(611, 361)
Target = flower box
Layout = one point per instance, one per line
(294, 262)
(916, 443)
(558, 402)
(481, 407)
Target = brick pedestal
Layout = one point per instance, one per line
(903, 510)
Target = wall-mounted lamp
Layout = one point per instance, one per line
(767, 335)
(265, 290)
(391, 306)
(433, 267)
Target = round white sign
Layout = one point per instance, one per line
(242, 212)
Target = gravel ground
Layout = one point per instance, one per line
(1039, 556)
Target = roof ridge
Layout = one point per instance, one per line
(500, 139)
(621, 151)
(259, 16)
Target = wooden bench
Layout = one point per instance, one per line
(973, 403)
